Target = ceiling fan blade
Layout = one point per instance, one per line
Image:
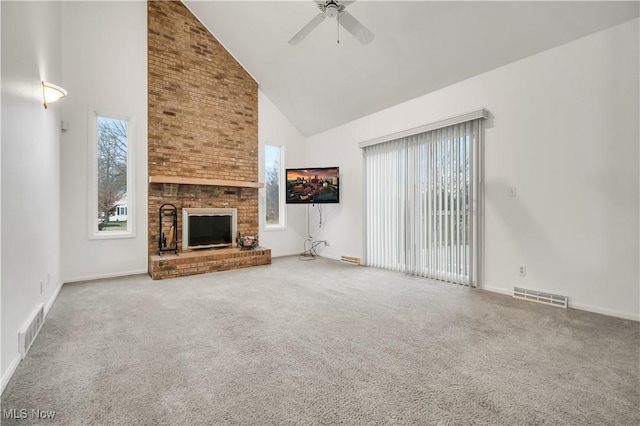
(359, 31)
(304, 31)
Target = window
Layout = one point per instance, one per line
(274, 210)
(112, 190)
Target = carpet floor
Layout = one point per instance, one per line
(321, 342)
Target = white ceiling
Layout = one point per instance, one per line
(420, 47)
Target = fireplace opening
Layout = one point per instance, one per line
(204, 228)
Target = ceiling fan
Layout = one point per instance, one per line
(335, 9)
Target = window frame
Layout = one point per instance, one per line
(282, 222)
(93, 232)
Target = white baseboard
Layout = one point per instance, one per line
(603, 311)
(102, 276)
(9, 373)
(497, 290)
(298, 253)
(295, 253)
(48, 306)
(577, 305)
(331, 257)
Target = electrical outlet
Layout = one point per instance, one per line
(522, 271)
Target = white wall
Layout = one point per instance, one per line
(30, 168)
(104, 59)
(565, 132)
(275, 129)
(302, 220)
(342, 224)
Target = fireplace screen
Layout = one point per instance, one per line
(209, 231)
(208, 228)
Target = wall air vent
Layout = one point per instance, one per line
(350, 259)
(29, 332)
(540, 297)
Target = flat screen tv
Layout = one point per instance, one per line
(313, 185)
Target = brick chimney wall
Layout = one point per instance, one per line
(203, 119)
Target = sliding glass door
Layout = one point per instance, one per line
(422, 197)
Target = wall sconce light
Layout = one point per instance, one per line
(51, 93)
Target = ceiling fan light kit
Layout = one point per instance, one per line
(335, 9)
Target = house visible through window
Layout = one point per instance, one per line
(274, 210)
(112, 145)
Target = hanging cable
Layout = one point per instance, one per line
(309, 249)
(306, 252)
(320, 213)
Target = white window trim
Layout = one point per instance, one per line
(94, 233)
(282, 225)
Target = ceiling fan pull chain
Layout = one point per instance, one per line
(338, 22)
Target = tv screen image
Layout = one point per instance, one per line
(313, 185)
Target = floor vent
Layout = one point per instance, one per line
(540, 297)
(350, 259)
(29, 333)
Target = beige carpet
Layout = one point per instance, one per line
(320, 342)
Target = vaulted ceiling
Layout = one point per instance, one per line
(420, 47)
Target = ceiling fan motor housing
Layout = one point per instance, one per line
(331, 11)
(331, 8)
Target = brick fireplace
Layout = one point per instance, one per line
(203, 137)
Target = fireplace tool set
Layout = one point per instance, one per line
(168, 235)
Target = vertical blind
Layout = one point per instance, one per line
(422, 198)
